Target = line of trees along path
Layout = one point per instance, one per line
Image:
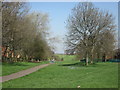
(24, 33)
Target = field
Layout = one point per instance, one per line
(69, 74)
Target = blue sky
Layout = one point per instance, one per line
(58, 13)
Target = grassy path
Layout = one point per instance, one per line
(22, 73)
(8, 68)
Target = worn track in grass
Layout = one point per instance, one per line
(22, 73)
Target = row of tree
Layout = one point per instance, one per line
(24, 33)
(91, 33)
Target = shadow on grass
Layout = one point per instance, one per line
(74, 64)
(14, 64)
(79, 64)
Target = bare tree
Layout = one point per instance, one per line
(86, 24)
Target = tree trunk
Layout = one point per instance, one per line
(98, 57)
(92, 55)
(91, 61)
(104, 58)
(86, 59)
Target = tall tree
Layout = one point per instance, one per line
(24, 34)
(12, 14)
(86, 24)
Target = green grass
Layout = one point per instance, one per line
(8, 68)
(69, 74)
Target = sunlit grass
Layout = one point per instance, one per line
(100, 75)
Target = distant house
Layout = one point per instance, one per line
(6, 51)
